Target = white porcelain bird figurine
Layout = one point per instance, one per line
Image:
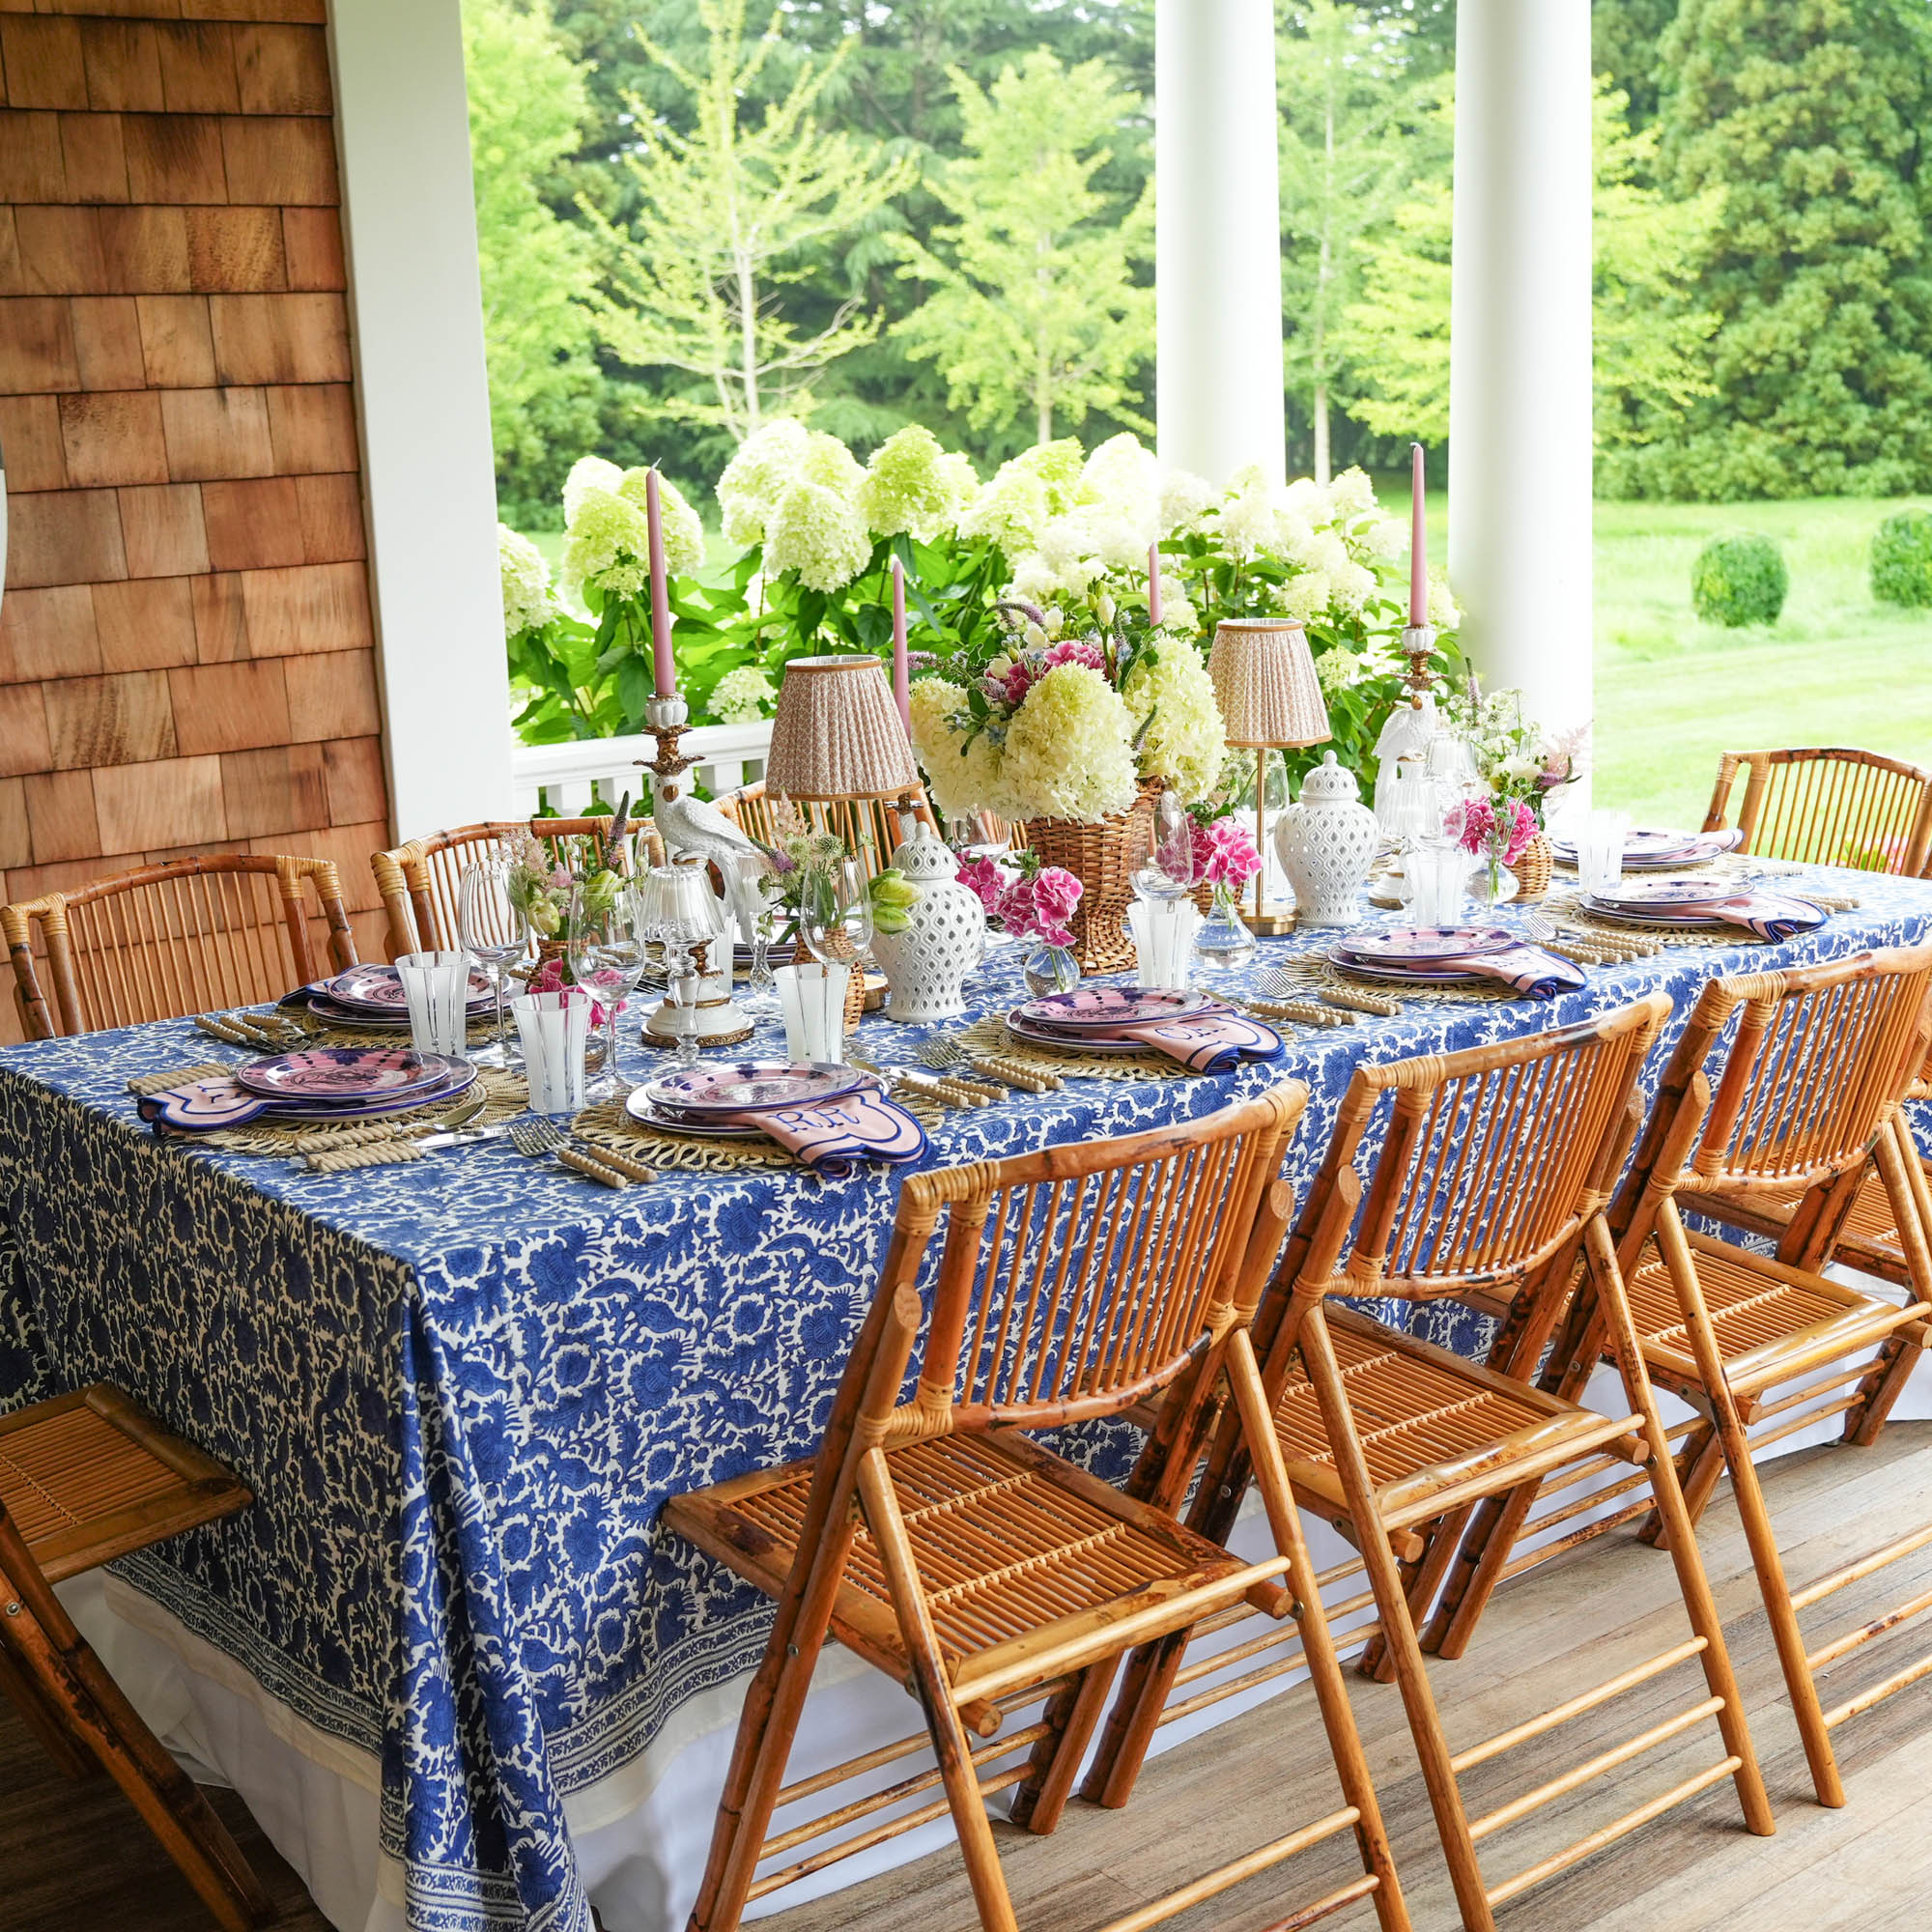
(687, 823)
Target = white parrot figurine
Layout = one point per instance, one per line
(687, 823)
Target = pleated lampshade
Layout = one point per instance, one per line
(838, 733)
(1264, 681)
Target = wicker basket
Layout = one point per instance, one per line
(1532, 869)
(1104, 859)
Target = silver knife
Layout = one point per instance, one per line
(464, 1136)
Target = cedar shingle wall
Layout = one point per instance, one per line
(187, 659)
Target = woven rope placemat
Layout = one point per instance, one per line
(989, 1035)
(505, 1095)
(608, 1126)
(1586, 920)
(1322, 976)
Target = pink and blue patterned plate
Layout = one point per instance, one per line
(1421, 945)
(344, 1073)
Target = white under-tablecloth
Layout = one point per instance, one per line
(640, 1835)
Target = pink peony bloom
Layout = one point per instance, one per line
(1074, 650)
(1056, 892)
(987, 880)
(1225, 854)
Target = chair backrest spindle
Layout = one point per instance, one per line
(1074, 1282)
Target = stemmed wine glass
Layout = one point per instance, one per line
(494, 933)
(606, 938)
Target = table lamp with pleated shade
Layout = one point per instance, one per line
(837, 737)
(1270, 700)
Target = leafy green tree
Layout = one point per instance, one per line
(1033, 305)
(722, 214)
(527, 106)
(1808, 117)
(1399, 330)
(1650, 332)
(1626, 38)
(1356, 129)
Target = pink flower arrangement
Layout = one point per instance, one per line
(1038, 904)
(548, 979)
(1224, 854)
(1498, 829)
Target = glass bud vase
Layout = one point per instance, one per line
(1050, 969)
(1223, 939)
(1493, 883)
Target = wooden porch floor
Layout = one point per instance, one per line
(77, 1856)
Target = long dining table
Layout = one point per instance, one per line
(463, 1388)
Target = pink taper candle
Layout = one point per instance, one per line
(663, 666)
(901, 669)
(1153, 584)
(1418, 545)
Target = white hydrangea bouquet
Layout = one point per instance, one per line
(1328, 556)
(1061, 719)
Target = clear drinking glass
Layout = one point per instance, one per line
(836, 915)
(496, 934)
(606, 939)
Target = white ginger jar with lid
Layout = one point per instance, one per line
(1326, 844)
(945, 936)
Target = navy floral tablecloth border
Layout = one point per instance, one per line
(463, 1388)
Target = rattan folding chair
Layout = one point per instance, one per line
(83, 1479)
(933, 1538)
(1809, 1090)
(229, 929)
(421, 882)
(869, 826)
(1827, 806)
(1491, 1182)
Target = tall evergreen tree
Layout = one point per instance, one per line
(527, 106)
(1626, 43)
(1034, 307)
(1357, 126)
(1810, 115)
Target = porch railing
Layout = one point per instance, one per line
(565, 778)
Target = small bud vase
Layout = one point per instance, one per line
(1223, 940)
(1050, 969)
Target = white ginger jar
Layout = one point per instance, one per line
(1326, 844)
(944, 940)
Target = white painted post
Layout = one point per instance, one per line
(1217, 238)
(1519, 368)
(415, 311)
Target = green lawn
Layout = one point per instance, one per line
(1837, 669)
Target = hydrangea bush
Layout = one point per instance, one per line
(1063, 531)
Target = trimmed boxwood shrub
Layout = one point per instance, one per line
(1739, 580)
(1901, 560)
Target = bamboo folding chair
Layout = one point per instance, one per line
(1827, 806)
(1808, 1091)
(83, 1479)
(230, 929)
(869, 826)
(421, 882)
(1490, 1184)
(932, 1537)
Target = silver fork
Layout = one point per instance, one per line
(536, 1137)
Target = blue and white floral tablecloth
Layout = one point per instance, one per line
(463, 1388)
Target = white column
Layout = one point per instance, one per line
(1217, 248)
(1519, 374)
(416, 313)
